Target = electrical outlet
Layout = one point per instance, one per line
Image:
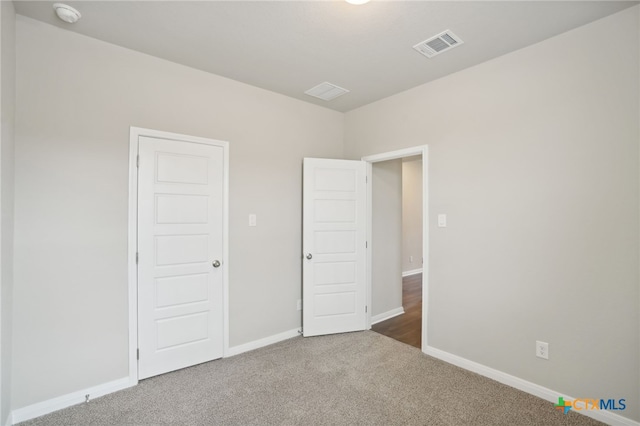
(542, 349)
(410, 259)
(299, 305)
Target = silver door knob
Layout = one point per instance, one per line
(216, 263)
(309, 256)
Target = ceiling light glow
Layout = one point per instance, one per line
(357, 2)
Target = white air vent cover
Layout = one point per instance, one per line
(326, 91)
(441, 43)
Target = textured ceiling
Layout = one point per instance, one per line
(288, 47)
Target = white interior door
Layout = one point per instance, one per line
(180, 247)
(334, 246)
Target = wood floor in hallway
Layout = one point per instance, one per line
(406, 328)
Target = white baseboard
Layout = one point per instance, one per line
(55, 404)
(386, 315)
(411, 272)
(246, 347)
(531, 388)
(64, 401)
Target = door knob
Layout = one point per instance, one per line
(216, 263)
(309, 256)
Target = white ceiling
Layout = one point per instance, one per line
(291, 46)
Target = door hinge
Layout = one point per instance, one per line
(365, 309)
(136, 258)
(137, 353)
(366, 244)
(138, 161)
(366, 179)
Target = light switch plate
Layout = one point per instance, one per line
(442, 220)
(252, 220)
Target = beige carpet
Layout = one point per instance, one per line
(349, 379)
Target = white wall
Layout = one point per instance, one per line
(534, 157)
(386, 280)
(412, 214)
(7, 111)
(76, 98)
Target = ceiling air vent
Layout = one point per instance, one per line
(444, 41)
(326, 91)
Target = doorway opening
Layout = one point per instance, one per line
(397, 230)
(397, 222)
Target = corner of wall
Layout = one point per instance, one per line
(7, 109)
(638, 27)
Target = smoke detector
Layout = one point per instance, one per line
(66, 13)
(326, 91)
(435, 45)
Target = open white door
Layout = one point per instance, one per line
(334, 246)
(180, 244)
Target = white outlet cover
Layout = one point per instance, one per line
(542, 349)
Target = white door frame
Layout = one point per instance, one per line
(135, 133)
(394, 155)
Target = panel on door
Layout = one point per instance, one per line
(334, 245)
(180, 235)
